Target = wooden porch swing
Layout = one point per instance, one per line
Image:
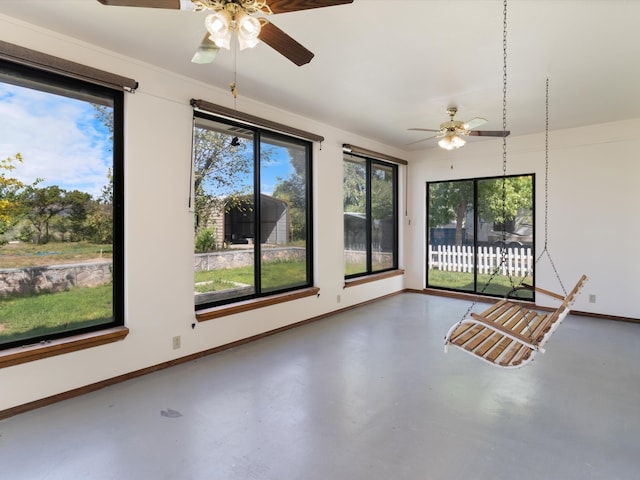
(508, 334)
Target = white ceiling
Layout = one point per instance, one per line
(383, 66)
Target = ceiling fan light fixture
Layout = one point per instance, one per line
(248, 29)
(451, 141)
(219, 27)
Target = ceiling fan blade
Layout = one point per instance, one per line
(475, 123)
(207, 51)
(489, 133)
(284, 44)
(424, 129)
(421, 140)
(284, 6)
(172, 4)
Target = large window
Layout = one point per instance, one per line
(480, 234)
(252, 212)
(370, 216)
(60, 206)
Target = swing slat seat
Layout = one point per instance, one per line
(508, 334)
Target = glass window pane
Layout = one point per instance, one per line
(355, 215)
(481, 235)
(383, 229)
(224, 211)
(451, 235)
(283, 213)
(505, 218)
(56, 207)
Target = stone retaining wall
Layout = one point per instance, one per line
(54, 278)
(244, 258)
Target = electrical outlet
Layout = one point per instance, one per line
(338, 298)
(592, 298)
(176, 342)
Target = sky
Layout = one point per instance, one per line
(60, 139)
(62, 142)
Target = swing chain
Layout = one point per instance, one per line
(546, 166)
(546, 194)
(503, 249)
(503, 256)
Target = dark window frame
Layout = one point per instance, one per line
(475, 181)
(260, 294)
(55, 81)
(369, 163)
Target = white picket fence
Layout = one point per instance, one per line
(453, 258)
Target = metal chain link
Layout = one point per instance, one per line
(503, 250)
(546, 193)
(503, 258)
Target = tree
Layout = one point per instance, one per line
(517, 193)
(354, 186)
(98, 218)
(51, 206)
(220, 165)
(40, 206)
(75, 215)
(293, 190)
(449, 202)
(9, 193)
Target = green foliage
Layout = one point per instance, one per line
(26, 233)
(43, 208)
(98, 224)
(10, 188)
(449, 201)
(219, 169)
(205, 241)
(382, 198)
(499, 200)
(354, 185)
(293, 191)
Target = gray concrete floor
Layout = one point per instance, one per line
(366, 394)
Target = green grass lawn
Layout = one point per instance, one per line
(500, 285)
(47, 313)
(274, 275)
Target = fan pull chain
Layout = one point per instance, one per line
(232, 85)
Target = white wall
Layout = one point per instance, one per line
(593, 207)
(159, 225)
(593, 220)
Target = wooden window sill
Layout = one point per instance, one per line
(254, 303)
(352, 282)
(29, 353)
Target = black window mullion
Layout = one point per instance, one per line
(475, 235)
(257, 226)
(395, 213)
(369, 222)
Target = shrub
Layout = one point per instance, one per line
(205, 241)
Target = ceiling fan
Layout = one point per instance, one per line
(450, 133)
(240, 16)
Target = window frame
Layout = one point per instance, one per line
(476, 221)
(49, 344)
(214, 309)
(369, 271)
